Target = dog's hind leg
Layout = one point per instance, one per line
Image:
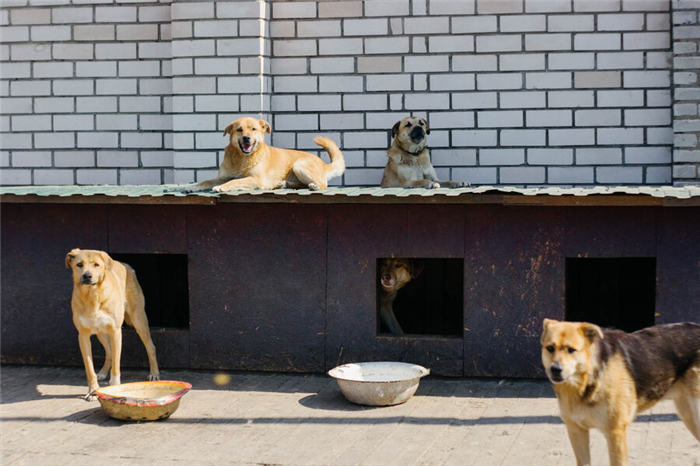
(580, 441)
(104, 372)
(141, 326)
(309, 175)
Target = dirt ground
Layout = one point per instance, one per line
(295, 420)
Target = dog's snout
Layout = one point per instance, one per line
(386, 277)
(555, 369)
(417, 134)
(246, 139)
(87, 276)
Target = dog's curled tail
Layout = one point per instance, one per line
(337, 165)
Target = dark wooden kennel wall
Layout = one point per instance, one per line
(287, 283)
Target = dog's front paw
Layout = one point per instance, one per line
(90, 396)
(313, 187)
(462, 184)
(152, 377)
(115, 380)
(433, 185)
(282, 185)
(102, 376)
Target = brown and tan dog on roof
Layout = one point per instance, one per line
(409, 163)
(249, 163)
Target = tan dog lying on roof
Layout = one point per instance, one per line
(409, 160)
(249, 163)
(105, 295)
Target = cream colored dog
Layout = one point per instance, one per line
(106, 294)
(395, 273)
(249, 163)
(409, 160)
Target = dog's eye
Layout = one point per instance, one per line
(79, 265)
(240, 130)
(421, 123)
(571, 350)
(255, 129)
(408, 125)
(398, 266)
(96, 264)
(550, 348)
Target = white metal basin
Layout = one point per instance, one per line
(378, 383)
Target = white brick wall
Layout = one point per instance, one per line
(523, 92)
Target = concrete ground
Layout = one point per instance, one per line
(295, 420)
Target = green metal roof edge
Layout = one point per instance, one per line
(679, 192)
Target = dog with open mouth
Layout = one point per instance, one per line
(249, 163)
(409, 163)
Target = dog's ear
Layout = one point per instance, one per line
(70, 256)
(395, 129)
(591, 331)
(265, 126)
(427, 127)
(416, 267)
(109, 262)
(547, 322)
(228, 129)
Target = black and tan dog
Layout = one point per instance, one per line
(603, 378)
(249, 163)
(395, 273)
(409, 160)
(105, 295)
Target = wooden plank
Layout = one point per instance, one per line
(148, 229)
(102, 199)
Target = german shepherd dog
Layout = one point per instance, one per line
(603, 378)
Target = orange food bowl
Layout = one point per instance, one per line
(142, 401)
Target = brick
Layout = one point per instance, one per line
(548, 80)
(686, 126)
(280, 29)
(426, 25)
(620, 60)
(570, 23)
(550, 156)
(340, 84)
(215, 66)
(180, 10)
(141, 104)
(597, 41)
(18, 105)
(684, 47)
(686, 63)
(450, 7)
(387, 8)
(9, 177)
(646, 40)
(598, 117)
(438, 120)
(498, 43)
(341, 9)
(456, 82)
(292, 83)
(279, 66)
(426, 64)
(119, 86)
(73, 122)
(94, 33)
(17, 70)
(157, 159)
(620, 136)
(522, 175)
(570, 175)
(294, 10)
(216, 28)
(386, 45)
(115, 51)
(474, 100)
(544, 42)
(342, 121)
(181, 30)
(647, 78)
(501, 156)
(523, 137)
(365, 27)
(30, 16)
(71, 15)
(54, 140)
(365, 102)
(291, 48)
(659, 98)
(73, 87)
(645, 5)
(597, 79)
(547, 6)
(96, 176)
(16, 141)
(451, 43)
(15, 34)
(501, 6)
(328, 28)
(23, 88)
(598, 156)
(684, 171)
(685, 109)
(523, 23)
(626, 98)
(619, 175)
(321, 103)
(155, 86)
(155, 50)
(379, 64)
(474, 138)
(251, 9)
(31, 123)
(340, 46)
(453, 157)
(572, 137)
(366, 139)
(74, 159)
(526, 61)
(548, 118)
(686, 93)
(427, 101)
(115, 14)
(474, 24)
(476, 176)
(500, 119)
(96, 69)
(658, 175)
(117, 159)
(648, 155)
(193, 48)
(648, 117)
(597, 5)
(139, 68)
(133, 32)
(571, 61)
(72, 51)
(389, 82)
(499, 81)
(142, 140)
(659, 22)
(117, 122)
(151, 14)
(474, 63)
(621, 22)
(523, 99)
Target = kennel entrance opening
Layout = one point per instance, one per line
(612, 292)
(430, 304)
(163, 278)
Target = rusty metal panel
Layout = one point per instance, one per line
(37, 325)
(356, 238)
(147, 229)
(514, 278)
(678, 266)
(610, 232)
(257, 287)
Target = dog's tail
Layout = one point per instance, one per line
(337, 165)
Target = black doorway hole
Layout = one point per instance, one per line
(163, 278)
(432, 303)
(611, 292)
